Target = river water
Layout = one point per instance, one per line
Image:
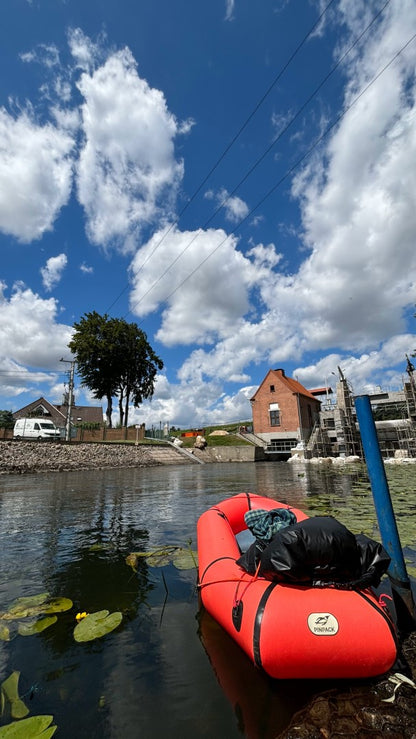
(168, 670)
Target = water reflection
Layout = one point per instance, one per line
(263, 707)
(70, 533)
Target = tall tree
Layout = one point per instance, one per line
(140, 368)
(6, 420)
(114, 359)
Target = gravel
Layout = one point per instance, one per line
(37, 456)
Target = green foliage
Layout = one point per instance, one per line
(36, 627)
(231, 439)
(36, 727)
(183, 558)
(6, 420)
(38, 612)
(114, 359)
(96, 625)
(34, 606)
(10, 693)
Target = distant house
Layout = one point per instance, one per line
(58, 413)
(284, 412)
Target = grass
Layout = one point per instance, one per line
(229, 440)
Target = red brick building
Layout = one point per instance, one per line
(284, 412)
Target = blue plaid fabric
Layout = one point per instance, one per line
(265, 524)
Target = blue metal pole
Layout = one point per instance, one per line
(400, 583)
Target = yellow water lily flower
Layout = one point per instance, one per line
(80, 616)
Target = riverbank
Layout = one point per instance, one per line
(23, 457)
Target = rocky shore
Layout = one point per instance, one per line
(32, 456)
(384, 707)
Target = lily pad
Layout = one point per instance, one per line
(182, 558)
(57, 605)
(35, 727)
(20, 605)
(10, 690)
(30, 600)
(37, 626)
(4, 632)
(24, 607)
(96, 625)
(185, 559)
(132, 559)
(159, 559)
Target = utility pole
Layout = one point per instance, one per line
(70, 398)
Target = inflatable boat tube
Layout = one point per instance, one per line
(288, 630)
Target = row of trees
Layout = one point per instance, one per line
(114, 360)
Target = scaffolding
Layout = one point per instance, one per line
(319, 444)
(407, 432)
(348, 436)
(337, 432)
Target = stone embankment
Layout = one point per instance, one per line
(18, 457)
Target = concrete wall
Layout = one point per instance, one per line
(228, 453)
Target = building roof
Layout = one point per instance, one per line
(58, 413)
(322, 391)
(41, 406)
(83, 413)
(296, 387)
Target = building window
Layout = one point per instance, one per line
(274, 418)
(272, 388)
(281, 445)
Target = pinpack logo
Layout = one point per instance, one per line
(323, 624)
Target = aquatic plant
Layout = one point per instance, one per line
(31, 608)
(183, 558)
(96, 625)
(35, 727)
(10, 693)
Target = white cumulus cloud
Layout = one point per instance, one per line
(127, 172)
(199, 277)
(52, 271)
(35, 175)
(357, 280)
(29, 331)
(235, 209)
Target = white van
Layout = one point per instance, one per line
(35, 428)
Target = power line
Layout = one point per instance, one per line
(256, 163)
(32, 372)
(293, 168)
(232, 142)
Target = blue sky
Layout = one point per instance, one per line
(238, 178)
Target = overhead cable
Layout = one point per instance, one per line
(257, 162)
(231, 143)
(290, 170)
